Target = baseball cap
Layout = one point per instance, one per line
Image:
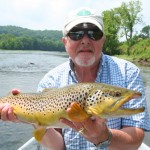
(83, 15)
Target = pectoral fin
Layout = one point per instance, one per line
(76, 113)
(39, 133)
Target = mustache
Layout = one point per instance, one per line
(85, 48)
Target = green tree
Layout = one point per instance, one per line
(129, 15)
(146, 31)
(111, 29)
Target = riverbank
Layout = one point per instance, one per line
(138, 60)
(142, 62)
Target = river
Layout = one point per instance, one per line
(24, 70)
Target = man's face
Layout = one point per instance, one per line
(84, 45)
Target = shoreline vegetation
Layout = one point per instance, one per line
(139, 52)
(140, 61)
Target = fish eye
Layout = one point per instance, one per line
(117, 94)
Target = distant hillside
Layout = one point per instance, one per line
(19, 31)
(12, 37)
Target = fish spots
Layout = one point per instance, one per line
(81, 95)
(112, 93)
(96, 97)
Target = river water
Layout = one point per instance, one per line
(24, 70)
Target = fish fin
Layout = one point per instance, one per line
(39, 133)
(76, 113)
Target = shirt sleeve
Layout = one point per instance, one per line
(46, 82)
(134, 81)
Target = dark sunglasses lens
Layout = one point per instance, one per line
(95, 35)
(92, 34)
(77, 35)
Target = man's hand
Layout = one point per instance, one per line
(93, 129)
(6, 111)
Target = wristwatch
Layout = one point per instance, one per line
(105, 143)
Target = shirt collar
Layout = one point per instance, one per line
(71, 64)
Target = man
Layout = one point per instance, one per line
(83, 39)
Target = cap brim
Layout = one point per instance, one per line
(82, 20)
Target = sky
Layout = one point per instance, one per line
(50, 14)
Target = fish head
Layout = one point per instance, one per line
(108, 101)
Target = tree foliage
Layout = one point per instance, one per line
(146, 31)
(129, 15)
(111, 29)
(17, 38)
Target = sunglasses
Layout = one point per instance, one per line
(79, 34)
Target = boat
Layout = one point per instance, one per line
(32, 144)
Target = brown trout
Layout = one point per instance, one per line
(85, 99)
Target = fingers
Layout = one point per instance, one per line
(15, 91)
(91, 127)
(67, 122)
(11, 115)
(6, 112)
(76, 126)
(95, 127)
(94, 121)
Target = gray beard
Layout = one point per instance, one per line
(83, 63)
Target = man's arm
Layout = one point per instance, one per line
(126, 138)
(53, 139)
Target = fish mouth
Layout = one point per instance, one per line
(116, 109)
(121, 101)
(131, 96)
(136, 95)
